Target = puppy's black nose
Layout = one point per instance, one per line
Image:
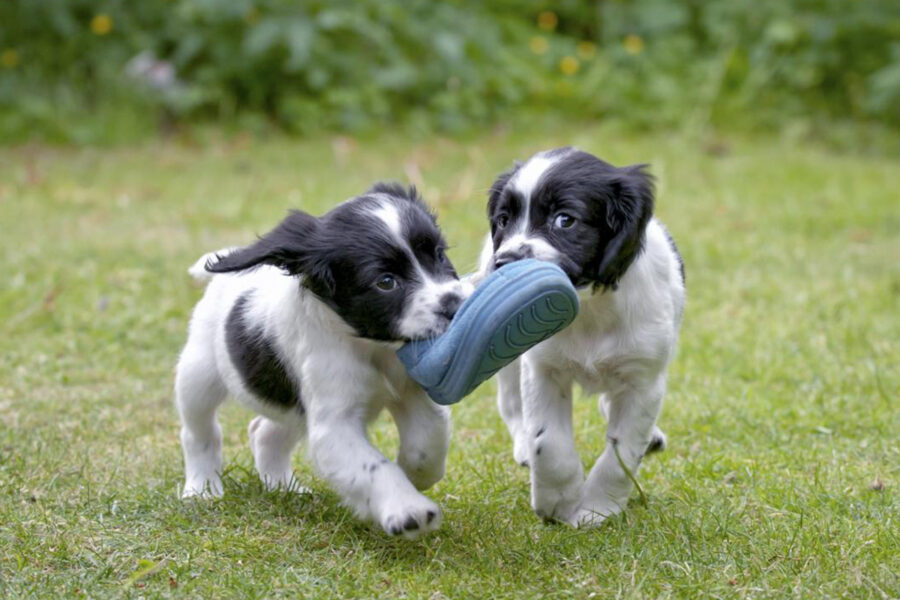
(507, 257)
(450, 303)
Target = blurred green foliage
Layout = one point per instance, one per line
(68, 68)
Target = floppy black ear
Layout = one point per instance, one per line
(291, 246)
(629, 206)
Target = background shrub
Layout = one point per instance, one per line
(88, 70)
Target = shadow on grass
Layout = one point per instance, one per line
(470, 535)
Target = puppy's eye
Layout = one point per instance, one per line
(563, 221)
(387, 283)
(502, 220)
(439, 255)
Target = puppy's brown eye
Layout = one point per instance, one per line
(502, 220)
(387, 283)
(563, 221)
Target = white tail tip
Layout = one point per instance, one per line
(198, 269)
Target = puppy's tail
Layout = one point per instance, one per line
(198, 269)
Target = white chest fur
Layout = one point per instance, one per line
(619, 334)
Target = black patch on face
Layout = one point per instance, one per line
(427, 244)
(256, 359)
(342, 256)
(609, 208)
(504, 205)
(362, 257)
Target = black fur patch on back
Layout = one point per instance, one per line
(255, 358)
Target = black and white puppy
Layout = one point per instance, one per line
(302, 327)
(594, 221)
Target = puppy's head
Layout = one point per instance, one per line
(571, 208)
(377, 260)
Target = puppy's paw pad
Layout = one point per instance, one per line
(411, 522)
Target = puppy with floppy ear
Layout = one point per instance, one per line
(302, 327)
(595, 221)
(292, 246)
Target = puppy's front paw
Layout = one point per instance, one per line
(284, 483)
(412, 519)
(203, 487)
(556, 503)
(591, 513)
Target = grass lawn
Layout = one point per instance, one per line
(783, 473)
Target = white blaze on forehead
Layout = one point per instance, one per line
(526, 180)
(421, 316)
(390, 216)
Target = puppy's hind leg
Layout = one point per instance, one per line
(272, 443)
(198, 393)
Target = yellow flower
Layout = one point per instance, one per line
(547, 20)
(587, 50)
(568, 65)
(101, 24)
(634, 44)
(539, 45)
(9, 58)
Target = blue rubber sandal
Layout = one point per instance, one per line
(517, 306)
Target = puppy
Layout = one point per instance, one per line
(594, 221)
(302, 327)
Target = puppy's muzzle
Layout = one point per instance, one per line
(511, 256)
(449, 304)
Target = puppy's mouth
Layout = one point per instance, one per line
(436, 329)
(575, 272)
